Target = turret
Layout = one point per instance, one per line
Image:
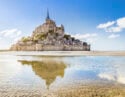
(62, 27)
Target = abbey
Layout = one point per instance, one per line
(48, 26)
(49, 37)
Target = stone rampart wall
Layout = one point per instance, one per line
(40, 47)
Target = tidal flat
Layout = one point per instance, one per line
(61, 76)
(63, 53)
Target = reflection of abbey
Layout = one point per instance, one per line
(47, 69)
(50, 37)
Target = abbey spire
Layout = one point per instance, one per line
(47, 18)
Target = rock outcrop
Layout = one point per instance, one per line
(49, 37)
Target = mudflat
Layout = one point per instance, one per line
(91, 90)
(65, 53)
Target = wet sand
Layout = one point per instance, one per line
(90, 90)
(64, 53)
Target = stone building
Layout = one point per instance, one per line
(50, 37)
(49, 26)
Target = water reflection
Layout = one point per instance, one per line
(46, 69)
(88, 69)
(53, 72)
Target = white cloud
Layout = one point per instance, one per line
(91, 40)
(86, 37)
(107, 76)
(17, 38)
(9, 37)
(113, 29)
(121, 22)
(105, 25)
(11, 33)
(114, 26)
(112, 36)
(121, 79)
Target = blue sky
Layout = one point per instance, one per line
(99, 22)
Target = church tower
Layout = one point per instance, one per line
(47, 18)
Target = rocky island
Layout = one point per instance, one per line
(49, 37)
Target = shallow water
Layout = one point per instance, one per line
(37, 73)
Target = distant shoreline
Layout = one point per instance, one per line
(63, 53)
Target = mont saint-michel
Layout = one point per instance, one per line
(50, 37)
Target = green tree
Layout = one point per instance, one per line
(40, 36)
(25, 39)
(67, 36)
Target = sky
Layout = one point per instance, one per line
(101, 23)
